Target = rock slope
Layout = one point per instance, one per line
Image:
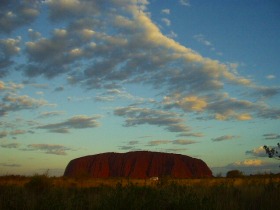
(138, 164)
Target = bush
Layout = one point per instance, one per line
(39, 183)
(234, 174)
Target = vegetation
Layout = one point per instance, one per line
(41, 192)
(273, 151)
(234, 174)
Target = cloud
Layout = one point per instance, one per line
(104, 98)
(133, 142)
(14, 14)
(257, 152)
(10, 86)
(269, 113)
(60, 130)
(47, 53)
(220, 106)
(166, 21)
(10, 165)
(122, 45)
(3, 134)
(249, 166)
(34, 34)
(82, 38)
(17, 132)
(157, 142)
(226, 137)
(188, 103)
(112, 94)
(178, 141)
(139, 116)
(51, 114)
(60, 9)
(75, 122)
(154, 143)
(130, 146)
(8, 49)
(12, 102)
(54, 149)
(270, 77)
(185, 3)
(36, 85)
(271, 136)
(10, 145)
(201, 39)
(172, 35)
(176, 150)
(126, 148)
(165, 11)
(225, 108)
(266, 92)
(192, 134)
(250, 162)
(59, 89)
(183, 142)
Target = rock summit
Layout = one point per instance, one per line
(138, 164)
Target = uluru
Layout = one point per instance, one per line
(137, 164)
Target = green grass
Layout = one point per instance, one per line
(45, 193)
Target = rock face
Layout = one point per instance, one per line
(139, 164)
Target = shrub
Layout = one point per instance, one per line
(234, 174)
(39, 183)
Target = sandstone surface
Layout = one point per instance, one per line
(138, 164)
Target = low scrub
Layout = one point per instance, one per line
(43, 192)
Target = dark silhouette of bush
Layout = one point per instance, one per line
(234, 174)
(272, 152)
(39, 183)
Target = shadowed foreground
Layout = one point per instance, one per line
(42, 192)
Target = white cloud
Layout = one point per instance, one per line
(185, 3)
(166, 21)
(270, 77)
(165, 11)
(257, 152)
(201, 39)
(250, 162)
(172, 35)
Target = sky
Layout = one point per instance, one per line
(192, 77)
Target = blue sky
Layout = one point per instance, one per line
(199, 78)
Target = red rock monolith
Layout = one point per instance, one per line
(138, 164)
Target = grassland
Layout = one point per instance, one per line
(51, 193)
